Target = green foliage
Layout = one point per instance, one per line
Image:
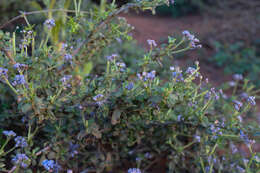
(180, 8)
(236, 58)
(82, 100)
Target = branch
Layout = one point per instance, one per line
(104, 22)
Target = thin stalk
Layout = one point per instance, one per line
(8, 83)
(14, 48)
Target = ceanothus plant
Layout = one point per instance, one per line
(59, 114)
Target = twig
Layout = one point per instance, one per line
(12, 170)
(104, 22)
(43, 150)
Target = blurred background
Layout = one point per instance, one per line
(229, 31)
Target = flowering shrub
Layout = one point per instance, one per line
(58, 114)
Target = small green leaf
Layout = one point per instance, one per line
(116, 116)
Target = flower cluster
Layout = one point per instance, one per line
(68, 58)
(147, 76)
(237, 105)
(193, 40)
(20, 142)
(134, 170)
(65, 80)
(112, 57)
(19, 80)
(245, 138)
(73, 149)
(121, 66)
(3, 73)
(51, 166)
(130, 86)
(21, 160)
(50, 23)
(177, 74)
(9, 133)
(151, 43)
(19, 66)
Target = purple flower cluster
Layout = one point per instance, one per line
(152, 43)
(147, 76)
(178, 76)
(9, 133)
(99, 99)
(197, 138)
(238, 77)
(19, 80)
(233, 148)
(51, 166)
(134, 170)
(130, 86)
(193, 40)
(20, 142)
(68, 58)
(21, 160)
(190, 70)
(237, 105)
(251, 100)
(245, 138)
(3, 73)
(121, 66)
(65, 80)
(73, 149)
(112, 57)
(216, 131)
(50, 23)
(19, 66)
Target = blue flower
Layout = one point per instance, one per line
(3, 73)
(134, 170)
(20, 142)
(244, 137)
(50, 23)
(112, 57)
(65, 80)
(99, 99)
(21, 160)
(73, 149)
(19, 80)
(178, 76)
(197, 138)
(130, 86)
(251, 100)
(190, 70)
(19, 66)
(9, 133)
(152, 43)
(193, 40)
(238, 77)
(51, 166)
(237, 105)
(68, 57)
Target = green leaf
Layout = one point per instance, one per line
(116, 116)
(26, 108)
(87, 68)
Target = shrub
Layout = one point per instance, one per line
(238, 59)
(59, 114)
